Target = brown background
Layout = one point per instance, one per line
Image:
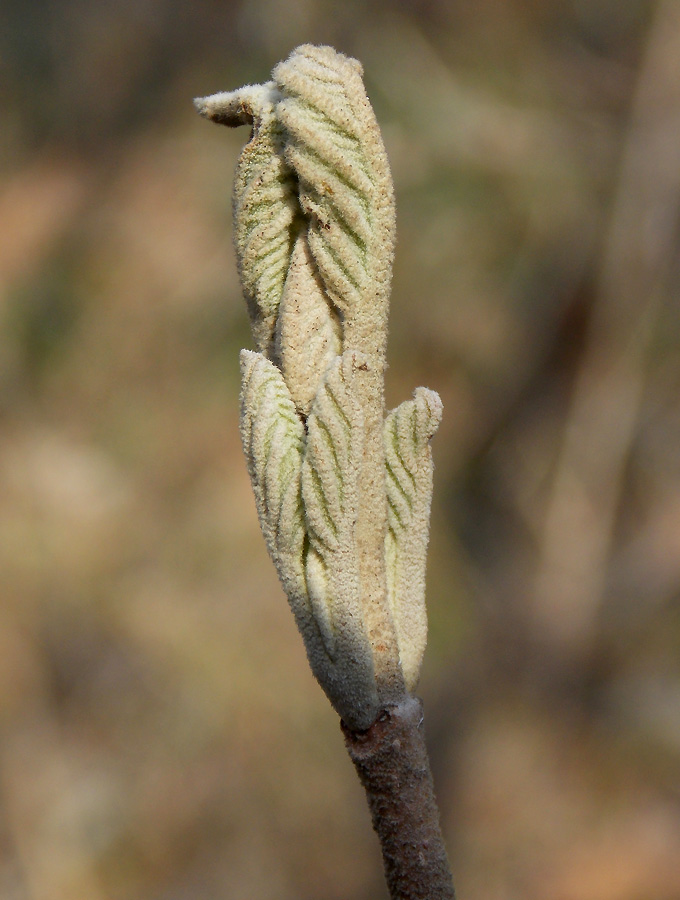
(162, 738)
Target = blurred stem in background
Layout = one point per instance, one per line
(600, 427)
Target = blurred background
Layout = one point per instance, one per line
(161, 735)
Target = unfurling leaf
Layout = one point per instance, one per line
(265, 202)
(342, 494)
(408, 463)
(305, 489)
(333, 143)
(308, 336)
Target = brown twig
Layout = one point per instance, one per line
(392, 763)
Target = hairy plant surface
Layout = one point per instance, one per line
(342, 491)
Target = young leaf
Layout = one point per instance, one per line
(408, 463)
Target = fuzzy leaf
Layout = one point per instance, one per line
(333, 144)
(408, 463)
(308, 335)
(303, 498)
(273, 442)
(265, 202)
(330, 474)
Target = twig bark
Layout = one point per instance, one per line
(393, 766)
